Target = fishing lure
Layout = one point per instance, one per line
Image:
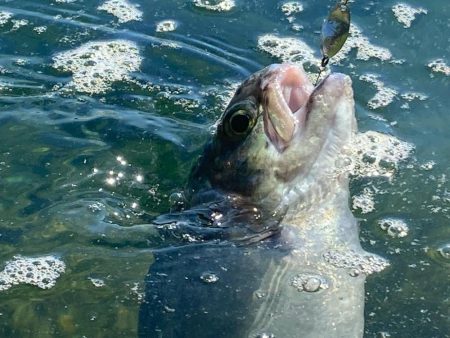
(335, 31)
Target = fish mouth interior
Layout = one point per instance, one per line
(287, 90)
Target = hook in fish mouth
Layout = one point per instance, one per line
(286, 91)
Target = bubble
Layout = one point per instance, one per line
(209, 277)
(215, 5)
(265, 335)
(309, 283)
(166, 26)
(260, 294)
(444, 251)
(39, 271)
(395, 228)
(19, 23)
(96, 65)
(123, 10)
(405, 14)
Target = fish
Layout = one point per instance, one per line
(265, 244)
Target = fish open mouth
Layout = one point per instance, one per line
(286, 90)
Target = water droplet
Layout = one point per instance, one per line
(444, 251)
(209, 277)
(265, 335)
(260, 294)
(309, 283)
(312, 284)
(354, 273)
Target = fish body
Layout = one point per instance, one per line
(273, 248)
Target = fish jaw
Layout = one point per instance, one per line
(286, 89)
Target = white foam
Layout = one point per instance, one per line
(40, 29)
(365, 49)
(405, 14)
(39, 271)
(287, 49)
(394, 227)
(439, 66)
(19, 24)
(377, 155)
(166, 26)
(411, 96)
(123, 10)
(4, 17)
(292, 7)
(96, 65)
(365, 201)
(97, 282)
(384, 95)
(215, 5)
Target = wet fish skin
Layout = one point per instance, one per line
(264, 209)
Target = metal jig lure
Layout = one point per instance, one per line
(335, 30)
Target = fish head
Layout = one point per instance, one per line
(279, 138)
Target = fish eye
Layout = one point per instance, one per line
(240, 122)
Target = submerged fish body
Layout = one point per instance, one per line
(273, 247)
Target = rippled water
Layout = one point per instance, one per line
(101, 118)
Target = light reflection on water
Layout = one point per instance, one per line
(78, 170)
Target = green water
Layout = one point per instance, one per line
(58, 146)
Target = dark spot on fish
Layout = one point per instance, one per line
(286, 176)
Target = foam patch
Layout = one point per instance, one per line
(357, 263)
(96, 65)
(123, 10)
(405, 14)
(292, 7)
(365, 49)
(4, 17)
(364, 202)
(384, 95)
(394, 227)
(439, 66)
(215, 5)
(166, 26)
(38, 271)
(377, 155)
(287, 49)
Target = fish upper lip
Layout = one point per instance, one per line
(286, 91)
